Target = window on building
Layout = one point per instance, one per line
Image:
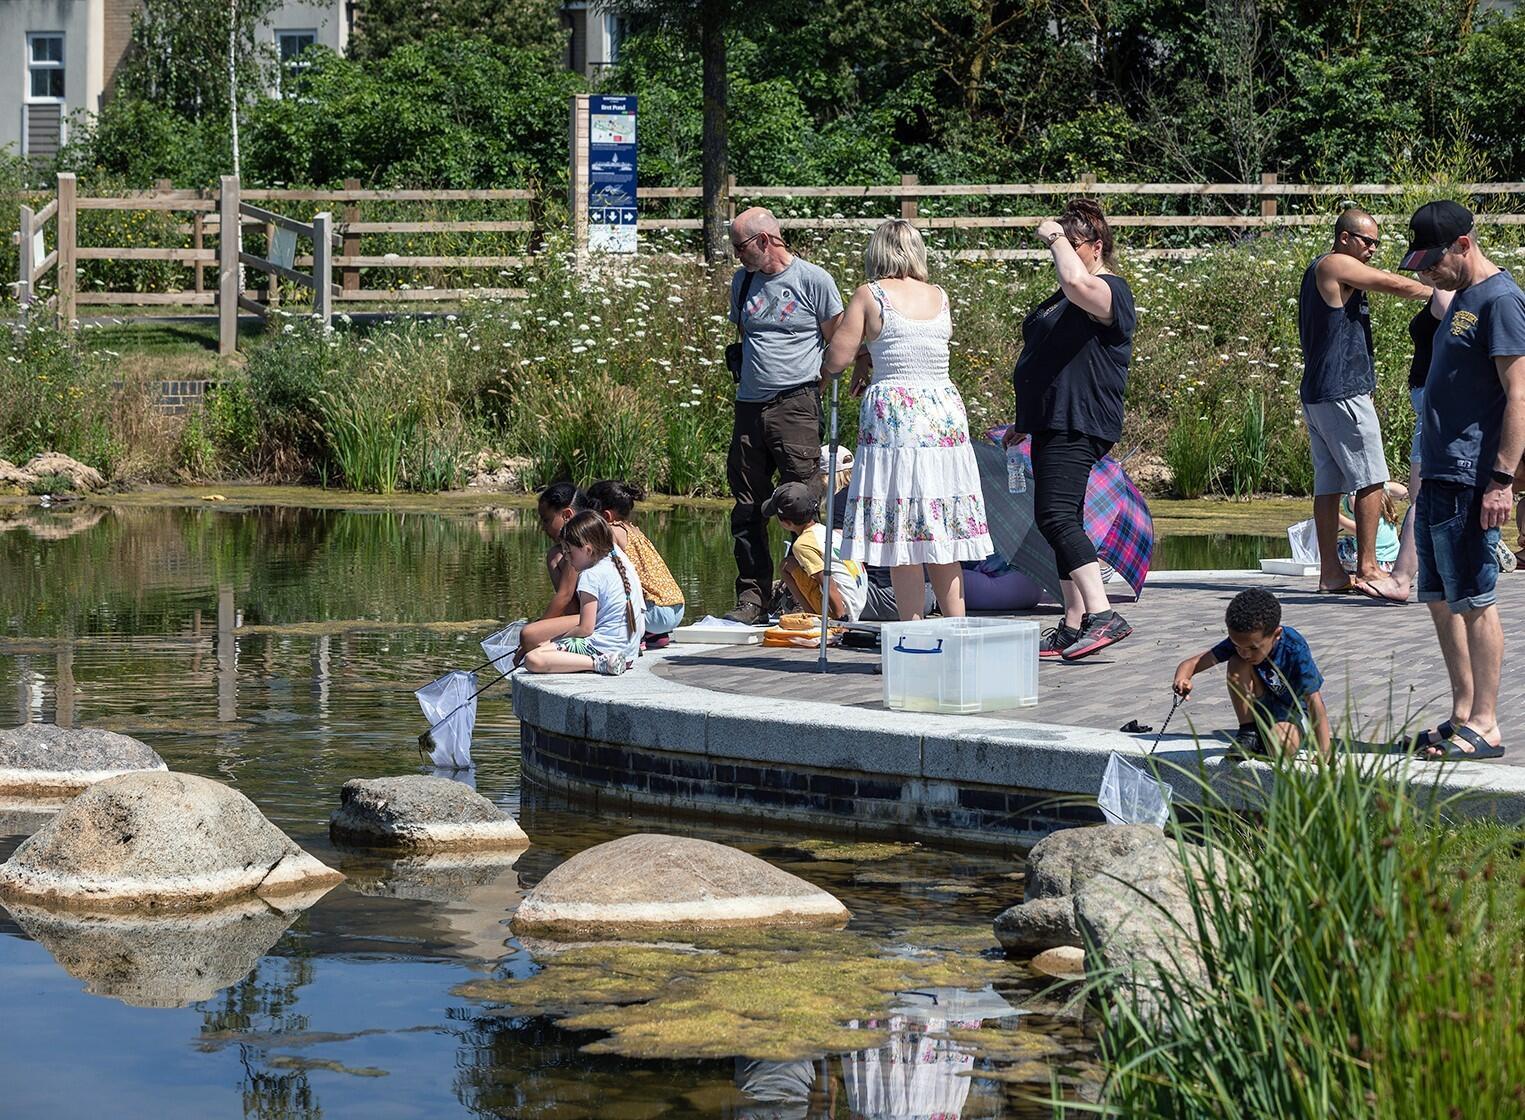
(289, 46)
(614, 31)
(45, 66)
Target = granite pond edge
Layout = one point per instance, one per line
(640, 741)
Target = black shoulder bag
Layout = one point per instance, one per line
(733, 351)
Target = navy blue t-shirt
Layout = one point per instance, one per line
(1337, 347)
(1289, 672)
(1463, 397)
(1072, 371)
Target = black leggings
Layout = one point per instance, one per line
(1062, 463)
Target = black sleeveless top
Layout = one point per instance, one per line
(1337, 349)
(1422, 329)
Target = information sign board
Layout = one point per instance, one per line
(611, 174)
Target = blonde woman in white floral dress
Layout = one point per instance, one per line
(915, 505)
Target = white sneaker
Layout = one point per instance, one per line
(609, 664)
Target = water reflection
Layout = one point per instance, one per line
(474, 893)
(162, 961)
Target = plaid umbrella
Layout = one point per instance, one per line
(1116, 519)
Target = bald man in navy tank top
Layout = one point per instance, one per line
(1339, 376)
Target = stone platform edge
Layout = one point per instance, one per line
(640, 740)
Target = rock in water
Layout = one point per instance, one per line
(158, 841)
(1032, 927)
(422, 814)
(162, 960)
(649, 882)
(1064, 963)
(41, 760)
(79, 475)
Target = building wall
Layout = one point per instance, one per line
(96, 35)
(80, 22)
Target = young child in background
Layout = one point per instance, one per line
(557, 504)
(664, 599)
(1388, 523)
(798, 508)
(605, 635)
(1271, 674)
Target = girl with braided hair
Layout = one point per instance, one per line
(605, 634)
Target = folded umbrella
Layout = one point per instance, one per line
(1116, 519)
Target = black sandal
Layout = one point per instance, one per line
(1431, 740)
(1452, 751)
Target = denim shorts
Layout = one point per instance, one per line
(1458, 561)
(663, 620)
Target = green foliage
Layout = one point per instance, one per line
(445, 112)
(54, 397)
(1250, 451)
(529, 26)
(1362, 957)
(177, 58)
(50, 484)
(136, 142)
(1193, 452)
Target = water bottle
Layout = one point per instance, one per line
(1016, 472)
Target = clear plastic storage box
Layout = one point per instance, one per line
(960, 665)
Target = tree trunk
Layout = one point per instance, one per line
(712, 48)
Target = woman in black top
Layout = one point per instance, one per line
(1069, 381)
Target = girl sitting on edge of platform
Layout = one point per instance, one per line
(557, 504)
(605, 634)
(664, 598)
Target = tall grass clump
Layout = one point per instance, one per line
(1362, 958)
(1193, 452)
(1250, 457)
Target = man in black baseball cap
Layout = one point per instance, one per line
(1472, 435)
(1433, 229)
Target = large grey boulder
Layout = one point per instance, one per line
(1139, 927)
(157, 841)
(651, 882)
(80, 476)
(421, 813)
(1063, 862)
(40, 759)
(162, 960)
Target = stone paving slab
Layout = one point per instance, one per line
(1381, 664)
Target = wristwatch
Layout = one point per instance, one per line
(1503, 478)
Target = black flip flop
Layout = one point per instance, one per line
(1424, 741)
(1452, 751)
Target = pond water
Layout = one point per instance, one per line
(277, 650)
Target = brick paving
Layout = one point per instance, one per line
(1381, 664)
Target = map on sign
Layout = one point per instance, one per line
(611, 174)
(612, 128)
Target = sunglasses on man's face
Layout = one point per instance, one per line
(740, 245)
(1369, 242)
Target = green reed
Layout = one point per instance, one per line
(1363, 958)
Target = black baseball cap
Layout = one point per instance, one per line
(794, 502)
(1432, 230)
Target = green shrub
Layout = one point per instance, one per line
(1193, 452)
(54, 396)
(1364, 960)
(1250, 451)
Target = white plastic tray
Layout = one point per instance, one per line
(1288, 568)
(719, 635)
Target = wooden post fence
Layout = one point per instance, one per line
(227, 265)
(908, 205)
(68, 226)
(350, 275)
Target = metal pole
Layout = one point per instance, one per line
(831, 495)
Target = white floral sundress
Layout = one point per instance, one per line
(915, 496)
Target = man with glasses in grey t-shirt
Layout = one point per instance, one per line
(786, 309)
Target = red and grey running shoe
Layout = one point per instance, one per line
(1096, 634)
(1055, 640)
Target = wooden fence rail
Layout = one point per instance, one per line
(337, 245)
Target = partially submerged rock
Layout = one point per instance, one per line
(650, 881)
(1062, 963)
(420, 813)
(1032, 927)
(158, 841)
(42, 760)
(162, 960)
(53, 463)
(1058, 866)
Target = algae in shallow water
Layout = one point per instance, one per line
(851, 852)
(773, 995)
